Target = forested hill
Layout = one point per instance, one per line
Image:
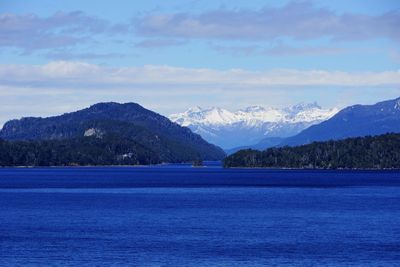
(84, 151)
(371, 152)
(137, 130)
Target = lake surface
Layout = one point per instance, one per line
(182, 216)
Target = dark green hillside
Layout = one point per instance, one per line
(371, 152)
(168, 149)
(108, 150)
(129, 122)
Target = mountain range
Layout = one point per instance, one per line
(126, 126)
(359, 136)
(112, 133)
(353, 121)
(252, 125)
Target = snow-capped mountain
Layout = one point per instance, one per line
(353, 121)
(249, 126)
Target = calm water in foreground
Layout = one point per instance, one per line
(181, 216)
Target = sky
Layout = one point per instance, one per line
(60, 56)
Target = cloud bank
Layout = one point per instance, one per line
(297, 20)
(30, 32)
(80, 74)
(64, 86)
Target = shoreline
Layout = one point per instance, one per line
(315, 169)
(197, 167)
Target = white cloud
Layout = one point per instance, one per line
(64, 86)
(81, 74)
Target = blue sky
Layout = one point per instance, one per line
(56, 56)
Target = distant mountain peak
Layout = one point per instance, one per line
(305, 106)
(253, 109)
(218, 115)
(104, 104)
(353, 121)
(194, 109)
(251, 124)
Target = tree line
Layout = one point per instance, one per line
(370, 152)
(76, 152)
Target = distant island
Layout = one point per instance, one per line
(103, 134)
(370, 152)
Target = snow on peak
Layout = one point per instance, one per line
(253, 115)
(253, 109)
(210, 116)
(250, 125)
(195, 109)
(305, 106)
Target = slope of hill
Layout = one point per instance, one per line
(249, 126)
(353, 121)
(377, 152)
(171, 142)
(83, 151)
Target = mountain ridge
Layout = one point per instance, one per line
(353, 121)
(249, 126)
(126, 121)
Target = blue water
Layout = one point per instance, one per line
(182, 216)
